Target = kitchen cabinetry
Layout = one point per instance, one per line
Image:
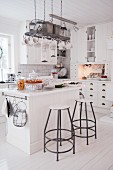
(92, 43)
(109, 94)
(73, 71)
(33, 55)
(82, 45)
(2, 118)
(97, 92)
(73, 54)
(74, 51)
(103, 32)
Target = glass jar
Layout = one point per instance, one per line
(20, 84)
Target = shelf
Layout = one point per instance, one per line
(90, 51)
(91, 40)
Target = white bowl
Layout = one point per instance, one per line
(103, 79)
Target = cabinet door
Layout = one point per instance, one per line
(33, 55)
(109, 92)
(100, 53)
(82, 45)
(73, 51)
(73, 71)
(103, 32)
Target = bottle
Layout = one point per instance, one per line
(20, 82)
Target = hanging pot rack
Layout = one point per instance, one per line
(41, 28)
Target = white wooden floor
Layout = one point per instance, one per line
(98, 155)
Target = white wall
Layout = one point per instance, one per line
(11, 27)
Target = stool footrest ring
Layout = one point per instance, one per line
(59, 151)
(55, 139)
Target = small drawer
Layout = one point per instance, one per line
(102, 86)
(104, 104)
(102, 97)
(91, 95)
(101, 89)
(92, 83)
(91, 89)
(94, 103)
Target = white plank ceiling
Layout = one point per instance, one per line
(84, 12)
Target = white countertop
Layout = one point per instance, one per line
(98, 81)
(23, 93)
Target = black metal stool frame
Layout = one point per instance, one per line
(87, 121)
(59, 130)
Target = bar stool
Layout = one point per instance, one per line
(87, 127)
(59, 139)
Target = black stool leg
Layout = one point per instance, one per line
(94, 120)
(86, 122)
(72, 129)
(74, 110)
(46, 127)
(74, 114)
(58, 136)
(60, 127)
(80, 117)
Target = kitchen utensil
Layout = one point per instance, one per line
(91, 59)
(61, 45)
(89, 37)
(62, 72)
(68, 45)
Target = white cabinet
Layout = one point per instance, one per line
(90, 91)
(99, 93)
(73, 71)
(92, 42)
(103, 33)
(109, 92)
(33, 55)
(74, 50)
(82, 45)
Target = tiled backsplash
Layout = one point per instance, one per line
(42, 70)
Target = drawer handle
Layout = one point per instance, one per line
(103, 97)
(91, 89)
(91, 95)
(103, 84)
(103, 90)
(91, 83)
(103, 104)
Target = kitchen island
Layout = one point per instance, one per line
(30, 137)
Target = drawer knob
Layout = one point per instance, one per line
(103, 85)
(91, 83)
(91, 95)
(91, 89)
(103, 90)
(103, 97)
(103, 104)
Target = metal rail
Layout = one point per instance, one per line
(25, 98)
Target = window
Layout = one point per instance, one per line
(5, 61)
